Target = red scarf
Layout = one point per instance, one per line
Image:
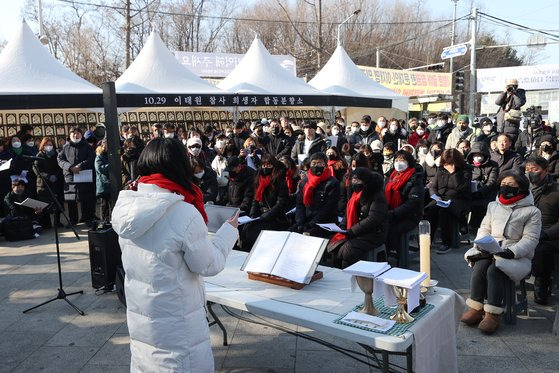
(352, 215)
(194, 198)
(512, 200)
(312, 182)
(331, 164)
(263, 182)
(289, 180)
(395, 183)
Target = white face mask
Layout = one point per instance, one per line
(400, 165)
(195, 151)
(423, 151)
(354, 129)
(365, 127)
(347, 158)
(228, 134)
(478, 158)
(393, 128)
(381, 124)
(220, 144)
(335, 131)
(48, 148)
(16, 145)
(30, 143)
(441, 123)
(75, 140)
(487, 130)
(199, 175)
(431, 121)
(420, 132)
(170, 135)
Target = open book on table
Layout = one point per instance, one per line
(289, 255)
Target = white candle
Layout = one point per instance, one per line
(425, 257)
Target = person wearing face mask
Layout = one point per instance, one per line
(381, 125)
(421, 150)
(169, 131)
(460, 132)
(546, 198)
(547, 151)
(358, 160)
(195, 151)
(19, 217)
(129, 159)
(271, 198)
(433, 162)
(311, 143)
(317, 198)
(76, 156)
(365, 220)
(337, 137)
(219, 164)
(394, 133)
(528, 142)
(453, 181)
(485, 175)
(48, 167)
(511, 99)
(336, 164)
(240, 191)
(420, 133)
(431, 121)
(374, 155)
(366, 134)
(488, 132)
(515, 223)
(388, 163)
(15, 152)
(441, 131)
(206, 179)
(278, 144)
(5, 181)
(404, 192)
(292, 179)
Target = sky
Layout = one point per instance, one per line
(540, 14)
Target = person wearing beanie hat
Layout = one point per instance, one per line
(365, 135)
(528, 142)
(462, 131)
(487, 132)
(194, 150)
(240, 191)
(376, 146)
(317, 198)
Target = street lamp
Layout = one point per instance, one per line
(347, 19)
(42, 37)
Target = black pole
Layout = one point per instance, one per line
(113, 139)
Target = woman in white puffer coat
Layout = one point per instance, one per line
(515, 223)
(165, 251)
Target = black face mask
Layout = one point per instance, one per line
(547, 148)
(131, 151)
(317, 170)
(358, 187)
(331, 157)
(276, 131)
(233, 174)
(508, 191)
(534, 177)
(266, 171)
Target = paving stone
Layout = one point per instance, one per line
(115, 352)
(16, 346)
(485, 364)
(327, 361)
(105, 369)
(471, 341)
(261, 351)
(537, 357)
(56, 359)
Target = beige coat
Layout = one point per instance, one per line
(518, 226)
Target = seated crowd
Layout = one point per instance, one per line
(376, 180)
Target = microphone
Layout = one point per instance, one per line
(33, 158)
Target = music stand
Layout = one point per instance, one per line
(57, 207)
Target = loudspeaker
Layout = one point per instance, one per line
(104, 257)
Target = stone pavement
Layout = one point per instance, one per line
(54, 338)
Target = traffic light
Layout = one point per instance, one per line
(436, 67)
(459, 81)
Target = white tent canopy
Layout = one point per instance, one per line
(27, 68)
(341, 77)
(156, 70)
(259, 73)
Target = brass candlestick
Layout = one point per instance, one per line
(366, 285)
(401, 316)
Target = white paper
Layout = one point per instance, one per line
(440, 202)
(331, 227)
(246, 219)
(6, 165)
(292, 211)
(371, 322)
(402, 277)
(488, 244)
(413, 297)
(297, 257)
(301, 158)
(265, 253)
(32, 203)
(84, 176)
(367, 269)
(474, 185)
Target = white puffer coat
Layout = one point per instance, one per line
(165, 251)
(518, 226)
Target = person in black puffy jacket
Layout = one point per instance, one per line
(317, 198)
(48, 167)
(240, 191)
(366, 220)
(485, 176)
(206, 179)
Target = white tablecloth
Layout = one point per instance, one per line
(318, 304)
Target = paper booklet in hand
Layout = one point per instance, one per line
(367, 269)
(331, 227)
(32, 203)
(84, 176)
(440, 201)
(289, 255)
(488, 244)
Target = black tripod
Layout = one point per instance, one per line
(57, 208)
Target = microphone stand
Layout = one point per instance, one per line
(57, 207)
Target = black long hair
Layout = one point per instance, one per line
(168, 157)
(373, 182)
(278, 173)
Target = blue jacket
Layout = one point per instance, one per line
(102, 174)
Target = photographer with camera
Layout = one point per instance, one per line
(528, 141)
(511, 99)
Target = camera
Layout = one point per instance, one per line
(533, 117)
(511, 88)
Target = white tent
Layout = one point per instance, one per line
(341, 77)
(156, 70)
(27, 68)
(259, 73)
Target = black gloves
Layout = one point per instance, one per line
(506, 254)
(476, 257)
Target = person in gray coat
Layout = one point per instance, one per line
(512, 98)
(515, 223)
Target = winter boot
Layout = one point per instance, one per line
(474, 314)
(542, 289)
(490, 322)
